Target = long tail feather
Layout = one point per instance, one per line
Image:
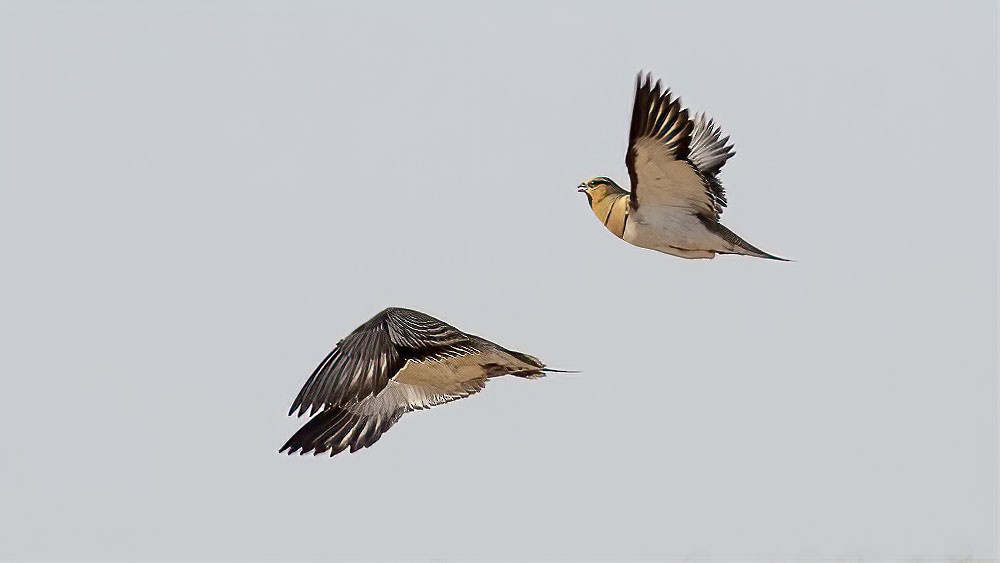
(740, 246)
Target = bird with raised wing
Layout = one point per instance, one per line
(399, 361)
(676, 197)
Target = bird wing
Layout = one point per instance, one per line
(337, 428)
(361, 424)
(658, 157)
(709, 149)
(424, 382)
(363, 363)
(709, 153)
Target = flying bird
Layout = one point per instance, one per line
(399, 361)
(676, 197)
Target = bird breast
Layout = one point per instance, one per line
(613, 212)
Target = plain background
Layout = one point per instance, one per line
(197, 200)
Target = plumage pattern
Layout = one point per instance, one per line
(709, 150)
(676, 197)
(658, 155)
(610, 203)
(337, 429)
(399, 361)
(362, 363)
(657, 117)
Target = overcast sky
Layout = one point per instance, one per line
(198, 199)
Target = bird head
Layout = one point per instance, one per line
(608, 202)
(598, 188)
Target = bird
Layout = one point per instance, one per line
(399, 361)
(676, 197)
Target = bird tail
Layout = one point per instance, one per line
(739, 245)
(539, 373)
(539, 370)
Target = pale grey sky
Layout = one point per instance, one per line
(198, 199)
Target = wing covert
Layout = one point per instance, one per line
(363, 363)
(659, 154)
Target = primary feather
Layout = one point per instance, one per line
(676, 197)
(398, 361)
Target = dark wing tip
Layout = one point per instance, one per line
(335, 430)
(709, 150)
(359, 366)
(657, 114)
(362, 363)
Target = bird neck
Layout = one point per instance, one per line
(610, 205)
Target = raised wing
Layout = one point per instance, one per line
(361, 424)
(709, 149)
(658, 157)
(363, 363)
(424, 382)
(338, 428)
(709, 153)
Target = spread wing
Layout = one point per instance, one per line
(709, 153)
(709, 149)
(363, 363)
(424, 382)
(659, 155)
(361, 424)
(338, 428)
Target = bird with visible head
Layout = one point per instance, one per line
(608, 201)
(676, 197)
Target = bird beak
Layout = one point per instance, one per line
(582, 188)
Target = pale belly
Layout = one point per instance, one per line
(670, 231)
